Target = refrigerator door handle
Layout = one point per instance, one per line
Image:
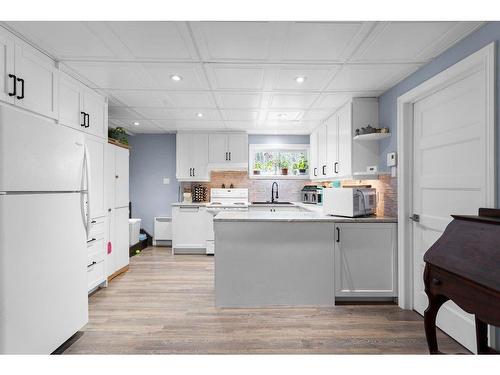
(88, 179)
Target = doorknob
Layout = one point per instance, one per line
(415, 218)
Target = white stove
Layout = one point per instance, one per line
(223, 200)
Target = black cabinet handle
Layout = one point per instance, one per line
(190, 172)
(88, 120)
(226, 156)
(229, 156)
(338, 234)
(91, 240)
(91, 264)
(13, 93)
(335, 167)
(84, 117)
(22, 88)
(323, 170)
(315, 171)
(193, 172)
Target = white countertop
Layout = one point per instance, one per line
(193, 204)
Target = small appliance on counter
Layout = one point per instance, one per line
(312, 194)
(350, 201)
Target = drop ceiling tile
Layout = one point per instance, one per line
(64, 39)
(191, 99)
(155, 39)
(318, 115)
(300, 101)
(190, 125)
(192, 76)
(323, 41)
(238, 100)
(360, 77)
(284, 116)
(332, 100)
(239, 115)
(411, 41)
(123, 113)
(158, 113)
(141, 98)
(240, 125)
(236, 77)
(316, 77)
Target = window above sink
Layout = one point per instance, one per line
(278, 161)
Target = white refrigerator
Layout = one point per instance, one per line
(43, 233)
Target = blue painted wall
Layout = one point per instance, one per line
(490, 32)
(152, 157)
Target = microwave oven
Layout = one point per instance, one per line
(349, 202)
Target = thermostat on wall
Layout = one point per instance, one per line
(391, 159)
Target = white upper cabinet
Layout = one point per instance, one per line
(228, 150)
(121, 177)
(95, 109)
(36, 78)
(192, 157)
(334, 152)
(6, 68)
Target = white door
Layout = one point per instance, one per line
(43, 271)
(121, 177)
(184, 157)
(332, 150)
(70, 102)
(37, 82)
(199, 149)
(450, 164)
(322, 151)
(38, 155)
(237, 146)
(6, 68)
(218, 153)
(313, 155)
(95, 108)
(344, 141)
(96, 147)
(121, 245)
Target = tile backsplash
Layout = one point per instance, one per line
(289, 190)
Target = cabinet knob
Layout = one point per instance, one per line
(116, 176)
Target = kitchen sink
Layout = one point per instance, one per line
(269, 202)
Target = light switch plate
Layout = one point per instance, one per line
(166, 181)
(391, 159)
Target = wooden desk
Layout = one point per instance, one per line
(464, 266)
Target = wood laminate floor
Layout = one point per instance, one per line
(165, 304)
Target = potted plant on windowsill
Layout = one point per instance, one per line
(284, 164)
(257, 167)
(302, 166)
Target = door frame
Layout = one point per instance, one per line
(482, 59)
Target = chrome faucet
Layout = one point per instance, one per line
(272, 192)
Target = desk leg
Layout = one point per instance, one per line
(435, 302)
(481, 337)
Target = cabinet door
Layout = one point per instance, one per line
(96, 147)
(322, 164)
(344, 141)
(70, 102)
(189, 228)
(332, 135)
(217, 148)
(365, 260)
(237, 146)
(95, 106)
(313, 155)
(6, 67)
(184, 160)
(121, 177)
(40, 81)
(199, 147)
(120, 246)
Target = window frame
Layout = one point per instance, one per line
(259, 147)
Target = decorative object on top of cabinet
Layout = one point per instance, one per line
(228, 151)
(118, 134)
(114, 142)
(192, 157)
(199, 193)
(372, 136)
(334, 154)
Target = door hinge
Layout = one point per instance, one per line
(415, 218)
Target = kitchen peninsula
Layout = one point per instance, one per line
(302, 258)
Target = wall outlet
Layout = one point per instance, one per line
(391, 159)
(166, 181)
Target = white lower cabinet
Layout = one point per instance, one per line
(96, 250)
(189, 229)
(365, 260)
(120, 250)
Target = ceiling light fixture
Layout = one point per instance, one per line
(175, 78)
(300, 79)
(199, 114)
(136, 123)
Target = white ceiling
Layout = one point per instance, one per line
(239, 75)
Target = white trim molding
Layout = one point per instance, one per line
(256, 147)
(484, 59)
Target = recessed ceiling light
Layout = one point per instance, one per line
(199, 114)
(300, 79)
(175, 78)
(136, 123)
